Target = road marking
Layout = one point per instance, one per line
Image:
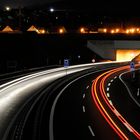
(51, 122)
(115, 77)
(108, 95)
(84, 109)
(87, 87)
(107, 89)
(110, 102)
(111, 80)
(116, 112)
(109, 84)
(90, 129)
(84, 96)
(128, 127)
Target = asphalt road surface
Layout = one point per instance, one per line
(93, 104)
(77, 116)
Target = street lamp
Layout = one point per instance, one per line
(61, 31)
(82, 30)
(51, 10)
(7, 8)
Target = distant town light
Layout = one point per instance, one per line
(7, 8)
(117, 30)
(112, 31)
(79, 56)
(42, 31)
(138, 29)
(61, 31)
(127, 31)
(105, 30)
(51, 9)
(132, 30)
(37, 31)
(82, 30)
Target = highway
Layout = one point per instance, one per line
(77, 115)
(107, 107)
(81, 102)
(16, 93)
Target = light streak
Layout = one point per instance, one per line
(104, 112)
(120, 117)
(101, 81)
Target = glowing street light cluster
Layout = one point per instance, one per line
(119, 30)
(108, 30)
(82, 30)
(115, 30)
(132, 30)
(61, 31)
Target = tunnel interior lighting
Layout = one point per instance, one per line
(126, 55)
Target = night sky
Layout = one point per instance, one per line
(98, 6)
(15, 3)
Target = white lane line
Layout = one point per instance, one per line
(130, 94)
(84, 96)
(111, 80)
(128, 127)
(84, 110)
(51, 123)
(109, 84)
(107, 89)
(116, 112)
(108, 95)
(115, 77)
(90, 129)
(87, 87)
(110, 102)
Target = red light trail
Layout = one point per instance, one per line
(99, 96)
